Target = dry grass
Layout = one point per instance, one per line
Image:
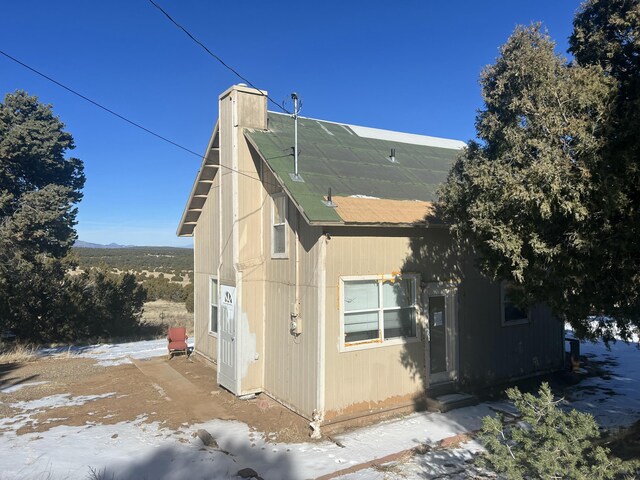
(68, 353)
(18, 353)
(169, 314)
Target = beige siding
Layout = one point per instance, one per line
(381, 376)
(225, 195)
(206, 247)
(240, 247)
(266, 287)
(292, 362)
(250, 255)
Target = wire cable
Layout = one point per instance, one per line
(99, 105)
(235, 72)
(121, 117)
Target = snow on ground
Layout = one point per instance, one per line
(59, 400)
(138, 449)
(311, 460)
(614, 398)
(113, 354)
(128, 450)
(19, 386)
(451, 464)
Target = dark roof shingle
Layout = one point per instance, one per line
(341, 157)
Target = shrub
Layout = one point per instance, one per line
(100, 304)
(162, 289)
(547, 442)
(188, 302)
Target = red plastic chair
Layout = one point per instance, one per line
(177, 341)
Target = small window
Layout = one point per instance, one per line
(378, 310)
(511, 313)
(279, 229)
(213, 314)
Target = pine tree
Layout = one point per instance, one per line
(547, 442)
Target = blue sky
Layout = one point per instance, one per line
(410, 66)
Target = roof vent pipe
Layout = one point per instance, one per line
(392, 157)
(295, 176)
(329, 202)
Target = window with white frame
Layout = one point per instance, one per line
(511, 313)
(378, 310)
(279, 226)
(213, 313)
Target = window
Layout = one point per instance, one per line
(279, 229)
(378, 310)
(511, 313)
(213, 314)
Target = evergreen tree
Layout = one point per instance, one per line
(547, 442)
(99, 305)
(548, 194)
(38, 190)
(607, 35)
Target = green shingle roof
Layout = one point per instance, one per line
(352, 161)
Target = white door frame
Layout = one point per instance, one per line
(449, 291)
(228, 339)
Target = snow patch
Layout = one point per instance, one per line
(59, 400)
(108, 355)
(19, 386)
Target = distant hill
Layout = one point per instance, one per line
(137, 259)
(81, 244)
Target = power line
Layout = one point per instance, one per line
(99, 105)
(235, 72)
(121, 117)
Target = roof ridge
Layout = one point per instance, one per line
(391, 135)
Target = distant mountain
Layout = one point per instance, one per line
(81, 244)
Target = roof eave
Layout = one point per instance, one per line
(201, 186)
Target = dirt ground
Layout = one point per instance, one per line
(177, 393)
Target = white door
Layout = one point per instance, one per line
(227, 342)
(439, 301)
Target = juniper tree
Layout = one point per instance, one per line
(607, 35)
(39, 188)
(548, 193)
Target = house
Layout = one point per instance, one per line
(337, 292)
